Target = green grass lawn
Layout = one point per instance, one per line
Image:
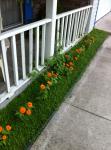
(46, 102)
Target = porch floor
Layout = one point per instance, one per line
(104, 23)
(83, 122)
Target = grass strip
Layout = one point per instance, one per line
(46, 102)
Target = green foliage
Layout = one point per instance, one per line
(47, 99)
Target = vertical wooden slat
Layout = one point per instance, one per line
(81, 24)
(65, 32)
(77, 25)
(62, 31)
(14, 57)
(69, 28)
(30, 50)
(71, 31)
(86, 19)
(58, 34)
(74, 27)
(5, 63)
(23, 55)
(37, 48)
(43, 44)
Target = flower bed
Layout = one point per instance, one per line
(25, 117)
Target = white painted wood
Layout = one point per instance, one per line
(62, 31)
(69, 29)
(30, 50)
(72, 11)
(77, 25)
(93, 15)
(103, 8)
(72, 25)
(58, 35)
(81, 23)
(43, 45)
(23, 55)
(2, 67)
(23, 28)
(5, 63)
(86, 20)
(37, 48)
(51, 10)
(14, 57)
(65, 31)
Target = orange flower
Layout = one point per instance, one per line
(29, 104)
(75, 58)
(49, 83)
(66, 56)
(42, 87)
(1, 129)
(4, 137)
(28, 112)
(78, 51)
(49, 74)
(22, 110)
(68, 65)
(55, 75)
(8, 127)
(71, 63)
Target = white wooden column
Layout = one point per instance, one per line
(93, 14)
(51, 10)
(1, 23)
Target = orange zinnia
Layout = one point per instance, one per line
(55, 75)
(1, 129)
(22, 110)
(67, 65)
(29, 104)
(78, 50)
(49, 74)
(4, 137)
(28, 112)
(75, 58)
(71, 63)
(49, 83)
(42, 87)
(67, 56)
(8, 127)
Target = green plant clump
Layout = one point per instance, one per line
(47, 92)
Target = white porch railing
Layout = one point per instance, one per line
(71, 26)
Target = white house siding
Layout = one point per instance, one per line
(103, 8)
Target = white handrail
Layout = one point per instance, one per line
(24, 28)
(72, 11)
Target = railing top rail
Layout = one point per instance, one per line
(24, 28)
(72, 11)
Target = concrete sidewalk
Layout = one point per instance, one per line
(83, 122)
(104, 23)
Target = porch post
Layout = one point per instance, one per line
(95, 4)
(1, 26)
(51, 10)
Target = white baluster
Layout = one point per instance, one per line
(14, 57)
(23, 55)
(30, 50)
